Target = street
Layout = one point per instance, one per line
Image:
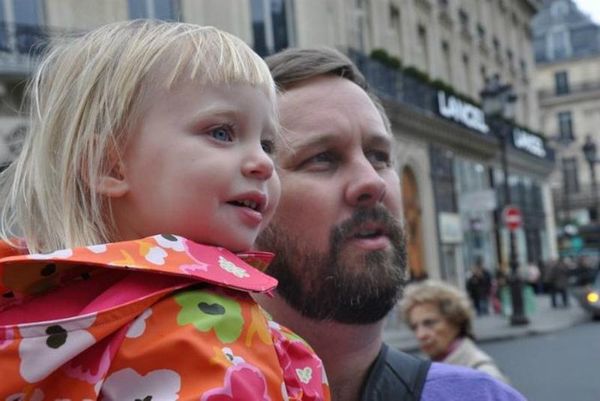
(562, 366)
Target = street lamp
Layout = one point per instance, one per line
(591, 156)
(498, 100)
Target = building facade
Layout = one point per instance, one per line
(567, 81)
(449, 158)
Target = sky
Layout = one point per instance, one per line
(590, 7)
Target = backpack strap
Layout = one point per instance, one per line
(395, 375)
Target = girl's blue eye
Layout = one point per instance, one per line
(221, 134)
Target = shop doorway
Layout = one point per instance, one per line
(411, 203)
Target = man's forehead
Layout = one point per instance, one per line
(328, 104)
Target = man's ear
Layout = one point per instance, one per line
(113, 183)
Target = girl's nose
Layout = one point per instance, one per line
(258, 165)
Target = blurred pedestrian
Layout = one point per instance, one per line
(558, 280)
(499, 284)
(441, 318)
(533, 277)
(479, 285)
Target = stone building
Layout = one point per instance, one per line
(567, 81)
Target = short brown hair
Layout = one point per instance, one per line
(452, 303)
(293, 66)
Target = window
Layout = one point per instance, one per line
(570, 175)
(559, 44)
(4, 38)
(396, 26)
(496, 44)
(510, 58)
(447, 73)
(394, 17)
(565, 126)
(523, 66)
(272, 25)
(483, 75)
(559, 9)
(157, 9)
(467, 72)
(27, 16)
(463, 17)
(561, 82)
(422, 56)
(481, 32)
(497, 50)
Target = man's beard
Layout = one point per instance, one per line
(358, 288)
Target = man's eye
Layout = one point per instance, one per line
(324, 161)
(324, 157)
(379, 158)
(223, 133)
(268, 146)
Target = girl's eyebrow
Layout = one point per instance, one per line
(216, 111)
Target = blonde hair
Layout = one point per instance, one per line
(84, 99)
(452, 303)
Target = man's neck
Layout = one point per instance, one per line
(347, 350)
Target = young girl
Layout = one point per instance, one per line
(153, 140)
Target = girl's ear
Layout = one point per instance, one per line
(113, 184)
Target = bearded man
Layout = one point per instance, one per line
(338, 239)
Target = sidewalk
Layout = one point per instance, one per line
(497, 327)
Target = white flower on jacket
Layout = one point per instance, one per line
(44, 348)
(127, 384)
(138, 327)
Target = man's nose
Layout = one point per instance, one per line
(366, 187)
(258, 164)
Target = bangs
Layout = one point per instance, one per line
(213, 57)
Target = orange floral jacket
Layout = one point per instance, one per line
(157, 319)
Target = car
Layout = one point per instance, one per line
(589, 297)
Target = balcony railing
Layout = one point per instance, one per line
(583, 198)
(395, 85)
(574, 89)
(20, 47)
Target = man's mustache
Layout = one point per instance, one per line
(378, 215)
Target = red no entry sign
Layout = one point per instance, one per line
(513, 218)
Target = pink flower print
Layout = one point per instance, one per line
(92, 365)
(7, 335)
(242, 382)
(196, 267)
(303, 372)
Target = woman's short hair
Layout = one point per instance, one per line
(452, 303)
(84, 99)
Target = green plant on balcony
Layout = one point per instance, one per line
(416, 73)
(386, 59)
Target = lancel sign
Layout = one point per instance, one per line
(464, 113)
(529, 142)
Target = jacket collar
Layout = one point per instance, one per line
(29, 274)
